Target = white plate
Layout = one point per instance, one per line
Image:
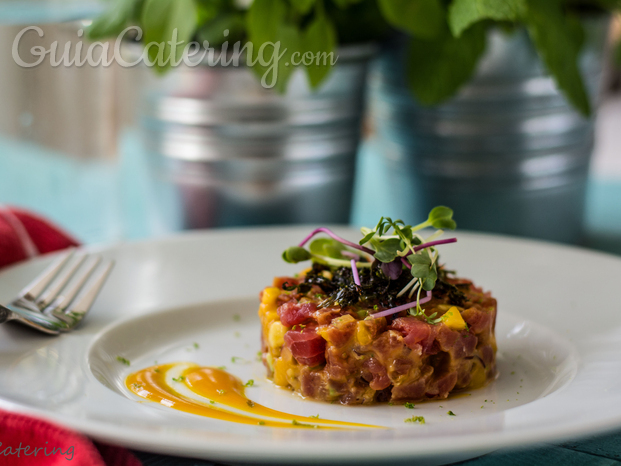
(559, 335)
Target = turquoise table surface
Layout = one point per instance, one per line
(109, 201)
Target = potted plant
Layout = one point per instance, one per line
(485, 105)
(489, 107)
(252, 142)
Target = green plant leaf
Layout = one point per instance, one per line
(437, 69)
(160, 18)
(344, 4)
(303, 6)
(113, 20)
(387, 250)
(320, 40)
(421, 18)
(290, 41)
(266, 23)
(558, 38)
(465, 13)
(296, 254)
(441, 217)
(213, 31)
(208, 10)
(264, 19)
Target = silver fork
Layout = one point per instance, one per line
(51, 303)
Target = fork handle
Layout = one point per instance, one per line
(5, 315)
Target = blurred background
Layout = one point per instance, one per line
(401, 123)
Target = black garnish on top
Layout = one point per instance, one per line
(375, 289)
(456, 297)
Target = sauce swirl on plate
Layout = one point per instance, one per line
(214, 393)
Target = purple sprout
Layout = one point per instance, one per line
(404, 307)
(354, 271)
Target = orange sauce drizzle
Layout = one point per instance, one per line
(224, 390)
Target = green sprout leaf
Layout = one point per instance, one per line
(421, 265)
(367, 237)
(296, 254)
(441, 217)
(386, 251)
(423, 269)
(327, 247)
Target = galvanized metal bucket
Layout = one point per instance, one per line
(509, 154)
(228, 152)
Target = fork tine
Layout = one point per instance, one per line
(36, 287)
(62, 301)
(83, 304)
(56, 287)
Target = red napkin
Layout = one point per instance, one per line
(24, 440)
(24, 235)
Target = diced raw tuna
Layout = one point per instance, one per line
(417, 335)
(338, 354)
(477, 320)
(306, 346)
(293, 313)
(379, 376)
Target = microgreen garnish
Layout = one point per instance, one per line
(378, 260)
(250, 383)
(236, 317)
(409, 405)
(250, 403)
(451, 413)
(196, 346)
(316, 416)
(122, 360)
(179, 379)
(222, 368)
(236, 359)
(261, 423)
(415, 420)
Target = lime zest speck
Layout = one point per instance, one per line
(415, 420)
(122, 360)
